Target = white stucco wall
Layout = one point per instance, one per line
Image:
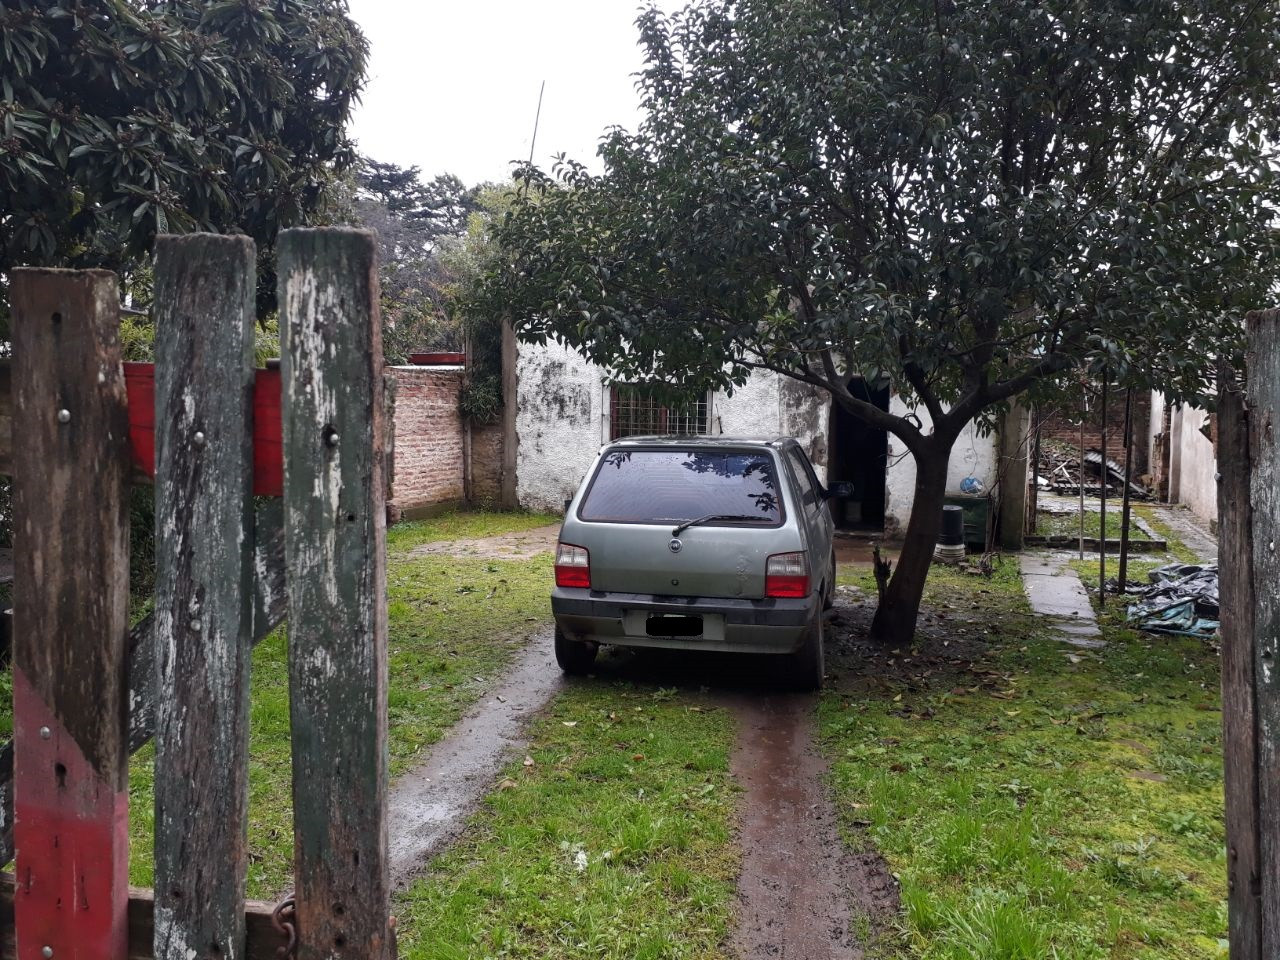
(973, 455)
(560, 416)
(562, 419)
(1197, 464)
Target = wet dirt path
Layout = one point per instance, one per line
(798, 879)
(429, 805)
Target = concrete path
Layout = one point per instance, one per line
(429, 805)
(1055, 592)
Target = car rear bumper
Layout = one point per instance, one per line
(731, 625)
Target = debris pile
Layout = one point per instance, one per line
(1182, 598)
(1060, 472)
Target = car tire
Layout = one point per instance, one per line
(575, 657)
(808, 664)
(829, 597)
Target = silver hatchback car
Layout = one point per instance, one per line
(697, 543)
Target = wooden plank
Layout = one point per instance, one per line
(334, 495)
(1239, 727)
(205, 289)
(270, 605)
(1263, 397)
(262, 939)
(70, 616)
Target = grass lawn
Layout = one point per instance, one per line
(1068, 525)
(463, 525)
(1040, 801)
(615, 842)
(453, 624)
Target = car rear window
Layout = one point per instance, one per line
(656, 486)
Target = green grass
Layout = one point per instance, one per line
(463, 525)
(453, 625)
(1068, 525)
(1035, 806)
(617, 842)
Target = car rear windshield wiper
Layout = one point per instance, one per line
(718, 516)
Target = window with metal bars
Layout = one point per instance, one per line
(633, 413)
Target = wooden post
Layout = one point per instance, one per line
(70, 617)
(1263, 395)
(1239, 723)
(205, 289)
(270, 602)
(334, 539)
(1125, 499)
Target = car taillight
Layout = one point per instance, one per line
(786, 575)
(573, 566)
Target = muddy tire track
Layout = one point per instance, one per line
(429, 805)
(800, 889)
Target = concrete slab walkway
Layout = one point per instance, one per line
(1056, 593)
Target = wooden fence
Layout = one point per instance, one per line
(1249, 572)
(88, 691)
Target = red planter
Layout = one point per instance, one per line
(438, 359)
(268, 432)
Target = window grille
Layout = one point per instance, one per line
(632, 413)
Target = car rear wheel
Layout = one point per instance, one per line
(808, 664)
(829, 598)
(574, 656)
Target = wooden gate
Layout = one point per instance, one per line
(88, 691)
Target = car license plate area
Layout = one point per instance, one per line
(673, 625)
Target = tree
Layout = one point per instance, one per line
(120, 119)
(966, 198)
(414, 222)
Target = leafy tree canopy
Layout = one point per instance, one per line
(120, 119)
(967, 198)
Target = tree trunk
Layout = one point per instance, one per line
(895, 620)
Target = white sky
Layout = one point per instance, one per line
(453, 85)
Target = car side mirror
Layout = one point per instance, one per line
(840, 490)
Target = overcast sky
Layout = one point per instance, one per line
(453, 87)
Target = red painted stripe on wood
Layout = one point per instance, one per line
(72, 833)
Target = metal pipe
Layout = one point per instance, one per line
(1102, 492)
(1123, 575)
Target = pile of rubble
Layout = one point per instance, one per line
(1060, 473)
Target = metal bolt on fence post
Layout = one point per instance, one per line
(46, 952)
(45, 733)
(331, 438)
(64, 416)
(199, 438)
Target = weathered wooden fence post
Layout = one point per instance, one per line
(335, 504)
(70, 617)
(1249, 518)
(205, 290)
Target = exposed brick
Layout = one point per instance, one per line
(429, 449)
(1063, 424)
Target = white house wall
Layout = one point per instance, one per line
(559, 424)
(1197, 465)
(972, 456)
(562, 419)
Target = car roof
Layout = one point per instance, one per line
(695, 440)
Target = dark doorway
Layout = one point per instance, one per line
(860, 455)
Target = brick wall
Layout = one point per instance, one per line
(428, 458)
(1063, 424)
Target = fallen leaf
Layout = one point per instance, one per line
(528, 761)
(569, 723)
(507, 785)
(637, 757)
